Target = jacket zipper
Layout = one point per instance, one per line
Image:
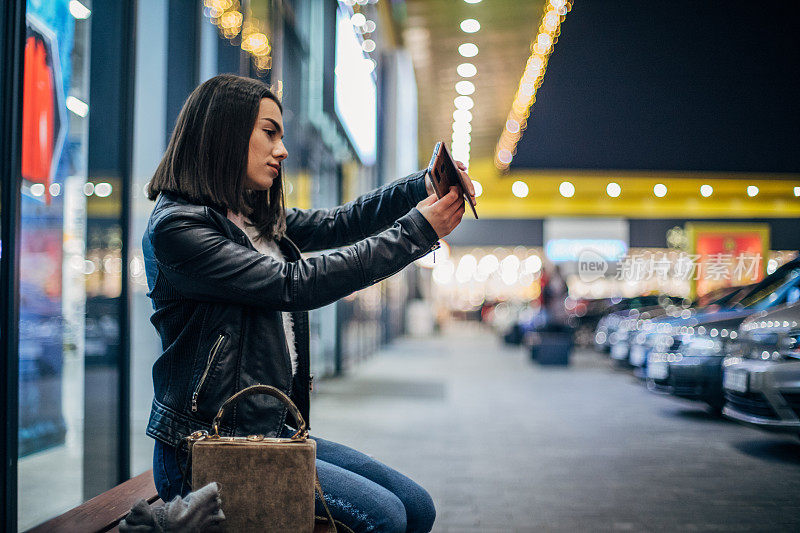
(214, 350)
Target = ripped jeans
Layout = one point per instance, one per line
(362, 493)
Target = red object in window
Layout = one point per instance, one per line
(38, 115)
(729, 259)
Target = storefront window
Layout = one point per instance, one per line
(55, 335)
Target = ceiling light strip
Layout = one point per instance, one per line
(462, 117)
(541, 48)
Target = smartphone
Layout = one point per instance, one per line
(444, 174)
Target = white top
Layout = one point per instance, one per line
(269, 248)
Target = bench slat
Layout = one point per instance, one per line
(103, 512)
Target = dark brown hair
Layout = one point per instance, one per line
(206, 159)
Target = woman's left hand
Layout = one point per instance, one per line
(462, 168)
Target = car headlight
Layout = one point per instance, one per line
(660, 341)
(731, 360)
(702, 345)
(789, 347)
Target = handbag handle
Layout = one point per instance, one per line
(302, 432)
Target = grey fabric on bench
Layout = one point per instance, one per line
(199, 511)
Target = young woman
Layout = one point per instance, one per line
(231, 292)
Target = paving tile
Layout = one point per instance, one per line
(504, 445)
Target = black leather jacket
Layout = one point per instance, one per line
(217, 301)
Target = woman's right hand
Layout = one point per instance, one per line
(445, 213)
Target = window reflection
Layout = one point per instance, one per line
(53, 224)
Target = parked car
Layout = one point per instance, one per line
(694, 369)
(655, 327)
(630, 327)
(626, 314)
(657, 333)
(584, 315)
(691, 367)
(761, 379)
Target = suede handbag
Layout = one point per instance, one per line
(266, 484)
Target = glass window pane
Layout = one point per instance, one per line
(53, 261)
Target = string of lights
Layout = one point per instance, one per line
(541, 48)
(227, 16)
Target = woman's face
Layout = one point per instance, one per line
(266, 147)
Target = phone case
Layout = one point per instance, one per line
(444, 174)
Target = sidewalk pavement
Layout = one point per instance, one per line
(505, 445)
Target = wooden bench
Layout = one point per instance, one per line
(104, 512)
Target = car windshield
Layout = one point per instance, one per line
(724, 297)
(727, 298)
(757, 292)
(786, 291)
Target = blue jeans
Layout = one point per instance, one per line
(361, 492)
